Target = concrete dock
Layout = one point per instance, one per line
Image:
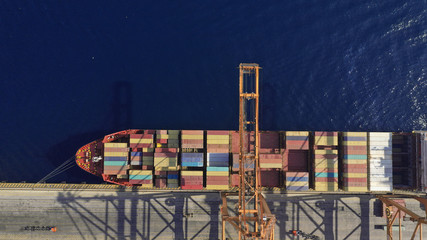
(136, 214)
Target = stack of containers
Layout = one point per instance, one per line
(116, 156)
(161, 178)
(217, 178)
(326, 161)
(403, 165)
(192, 139)
(142, 146)
(269, 142)
(296, 152)
(297, 140)
(192, 159)
(173, 139)
(235, 141)
(380, 161)
(355, 161)
(191, 179)
(217, 171)
(218, 141)
(172, 181)
(140, 142)
(270, 160)
(162, 138)
(165, 161)
(143, 177)
(296, 181)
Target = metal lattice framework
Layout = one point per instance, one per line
(254, 219)
(391, 216)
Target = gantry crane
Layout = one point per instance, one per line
(253, 219)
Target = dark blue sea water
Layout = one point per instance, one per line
(73, 71)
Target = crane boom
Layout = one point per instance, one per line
(254, 219)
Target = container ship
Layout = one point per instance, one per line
(289, 160)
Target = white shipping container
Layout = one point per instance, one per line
(380, 134)
(384, 148)
(382, 188)
(382, 175)
(380, 171)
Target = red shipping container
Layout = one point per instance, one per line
(355, 184)
(133, 181)
(363, 166)
(326, 179)
(218, 146)
(166, 150)
(217, 178)
(161, 141)
(329, 134)
(360, 180)
(235, 142)
(223, 182)
(192, 132)
(270, 178)
(269, 140)
(355, 170)
(217, 150)
(136, 158)
(141, 145)
(166, 154)
(217, 132)
(296, 160)
(295, 144)
(161, 183)
(160, 173)
(192, 141)
(359, 148)
(147, 167)
(141, 136)
(116, 149)
(235, 180)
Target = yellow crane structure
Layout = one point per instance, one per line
(253, 219)
(392, 215)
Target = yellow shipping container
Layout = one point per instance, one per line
(321, 151)
(175, 168)
(115, 145)
(326, 188)
(355, 161)
(216, 141)
(162, 136)
(218, 137)
(165, 162)
(297, 184)
(297, 133)
(355, 134)
(326, 140)
(217, 187)
(215, 173)
(148, 149)
(191, 137)
(354, 143)
(355, 189)
(142, 140)
(270, 165)
(147, 185)
(140, 172)
(326, 163)
(116, 154)
(355, 175)
(191, 173)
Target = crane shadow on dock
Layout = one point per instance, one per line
(131, 214)
(128, 214)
